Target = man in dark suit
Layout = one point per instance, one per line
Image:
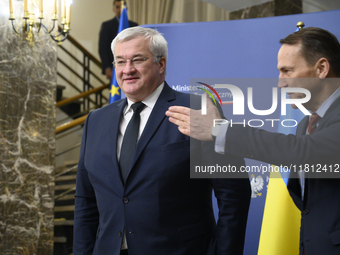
(139, 198)
(311, 53)
(108, 32)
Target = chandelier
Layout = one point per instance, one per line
(31, 26)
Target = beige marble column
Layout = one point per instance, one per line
(27, 138)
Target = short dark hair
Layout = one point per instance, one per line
(317, 43)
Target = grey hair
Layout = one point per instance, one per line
(158, 45)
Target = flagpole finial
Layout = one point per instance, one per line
(123, 5)
(300, 25)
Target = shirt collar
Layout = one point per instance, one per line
(150, 101)
(329, 101)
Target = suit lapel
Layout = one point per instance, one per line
(329, 114)
(115, 117)
(156, 117)
(302, 126)
(322, 122)
(294, 180)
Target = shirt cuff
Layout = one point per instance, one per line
(220, 138)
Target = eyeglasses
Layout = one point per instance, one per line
(135, 62)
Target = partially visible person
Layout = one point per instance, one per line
(108, 32)
(135, 196)
(311, 53)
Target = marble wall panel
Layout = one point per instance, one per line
(256, 11)
(27, 142)
(269, 9)
(286, 7)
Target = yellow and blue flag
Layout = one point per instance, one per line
(115, 91)
(280, 231)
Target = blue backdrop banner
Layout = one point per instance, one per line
(236, 49)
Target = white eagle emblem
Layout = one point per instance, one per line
(256, 185)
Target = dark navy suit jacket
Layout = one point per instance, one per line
(162, 210)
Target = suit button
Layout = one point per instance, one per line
(119, 234)
(125, 200)
(306, 211)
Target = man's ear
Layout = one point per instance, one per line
(162, 64)
(323, 68)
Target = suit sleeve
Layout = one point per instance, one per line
(105, 52)
(86, 216)
(233, 199)
(288, 150)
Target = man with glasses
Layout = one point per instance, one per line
(134, 194)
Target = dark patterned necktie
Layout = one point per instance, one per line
(130, 141)
(312, 123)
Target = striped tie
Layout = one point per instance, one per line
(312, 123)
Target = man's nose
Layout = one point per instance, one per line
(282, 82)
(129, 67)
